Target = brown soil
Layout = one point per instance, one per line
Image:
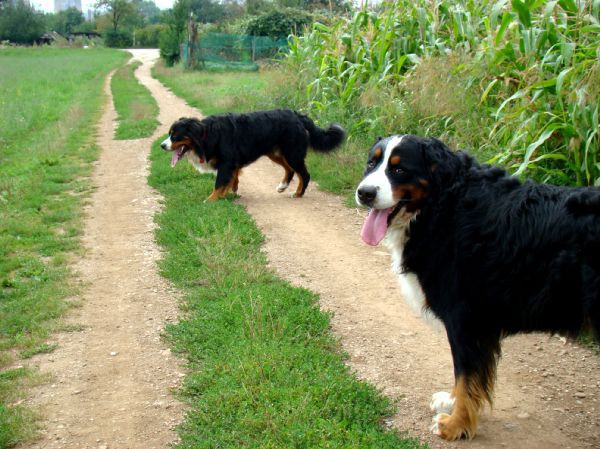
(547, 392)
(112, 382)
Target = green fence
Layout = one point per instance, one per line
(230, 51)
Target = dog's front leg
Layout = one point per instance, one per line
(222, 183)
(475, 359)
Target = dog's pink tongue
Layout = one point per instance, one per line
(175, 158)
(375, 227)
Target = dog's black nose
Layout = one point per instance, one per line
(163, 146)
(367, 194)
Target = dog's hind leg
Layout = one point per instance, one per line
(235, 181)
(303, 176)
(289, 173)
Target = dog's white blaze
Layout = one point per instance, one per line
(202, 167)
(379, 180)
(166, 143)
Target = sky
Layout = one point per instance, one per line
(48, 5)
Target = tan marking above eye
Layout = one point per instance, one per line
(377, 152)
(395, 160)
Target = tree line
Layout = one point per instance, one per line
(140, 23)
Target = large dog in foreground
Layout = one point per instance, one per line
(483, 253)
(226, 143)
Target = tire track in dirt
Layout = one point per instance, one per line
(548, 389)
(112, 382)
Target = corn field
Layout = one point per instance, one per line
(534, 65)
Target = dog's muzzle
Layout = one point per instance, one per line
(166, 144)
(366, 195)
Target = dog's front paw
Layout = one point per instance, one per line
(282, 186)
(441, 402)
(449, 428)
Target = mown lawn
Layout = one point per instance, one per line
(50, 100)
(265, 369)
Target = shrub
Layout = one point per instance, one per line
(118, 39)
(279, 24)
(20, 23)
(169, 46)
(149, 36)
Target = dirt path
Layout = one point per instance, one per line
(112, 381)
(547, 394)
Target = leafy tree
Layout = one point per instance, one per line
(148, 11)
(20, 23)
(256, 7)
(118, 11)
(66, 21)
(208, 11)
(176, 19)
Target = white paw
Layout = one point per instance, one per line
(441, 402)
(435, 423)
(282, 186)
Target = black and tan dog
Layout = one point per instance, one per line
(485, 254)
(226, 143)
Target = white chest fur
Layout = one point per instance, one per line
(410, 286)
(202, 167)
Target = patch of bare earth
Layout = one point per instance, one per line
(112, 382)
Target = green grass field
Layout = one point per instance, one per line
(265, 369)
(216, 92)
(50, 102)
(137, 110)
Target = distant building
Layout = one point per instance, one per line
(61, 5)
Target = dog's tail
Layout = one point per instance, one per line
(323, 140)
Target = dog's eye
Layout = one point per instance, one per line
(372, 163)
(397, 170)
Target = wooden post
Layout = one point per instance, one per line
(192, 38)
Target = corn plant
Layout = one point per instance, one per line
(537, 62)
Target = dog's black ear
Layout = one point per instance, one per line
(197, 133)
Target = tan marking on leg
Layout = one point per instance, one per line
(218, 193)
(469, 397)
(235, 180)
(280, 160)
(298, 193)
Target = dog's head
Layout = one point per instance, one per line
(397, 181)
(186, 134)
